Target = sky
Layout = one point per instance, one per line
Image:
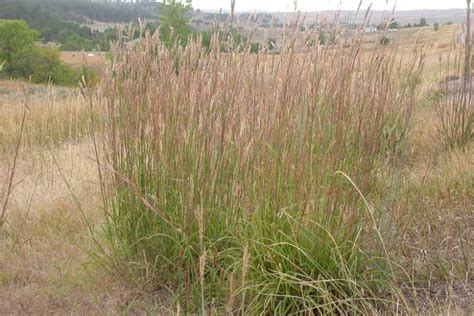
(316, 5)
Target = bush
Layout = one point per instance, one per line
(384, 40)
(230, 197)
(64, 75)
(255, 47)
(44, 64)
(47, 67)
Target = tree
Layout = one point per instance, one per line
(45, 63)
(16, 42)
(436, 26)
(23, 59)
(393, 25)
(174, 21)
(423, 22)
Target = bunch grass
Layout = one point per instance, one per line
(221, 173)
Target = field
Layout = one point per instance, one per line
(78, 59)
(190, 183)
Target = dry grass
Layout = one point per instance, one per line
(45, 266)
(54, 116)
(434, 230)
(433, 212)
(79, 59)
(45, 243)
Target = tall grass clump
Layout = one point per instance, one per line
(223, 173)
(456, 109)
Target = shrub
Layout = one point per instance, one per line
(222, 181)
(64, 75)
(45, 63)
(384, 40)
(255, 47)
(47, 67)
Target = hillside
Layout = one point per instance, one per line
(80, 11)
(403, 17)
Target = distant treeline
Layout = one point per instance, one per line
(85, 10)
(65, 21)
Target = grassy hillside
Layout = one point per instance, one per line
(70, 23)
(322, 180)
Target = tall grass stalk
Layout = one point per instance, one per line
(9, 177)
(223, 164)
(456, 109)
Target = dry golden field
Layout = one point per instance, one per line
(78, 59)
(55, 211)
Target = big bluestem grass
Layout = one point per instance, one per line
(455, 109)
(221, 173)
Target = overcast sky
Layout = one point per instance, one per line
(315, 5)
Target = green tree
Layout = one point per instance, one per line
(22, 59)
(174, 21)
(16, 43)
(393, 24)
(423, 22)
(46, 61)
(47, 67)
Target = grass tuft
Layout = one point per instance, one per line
(221, 166)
